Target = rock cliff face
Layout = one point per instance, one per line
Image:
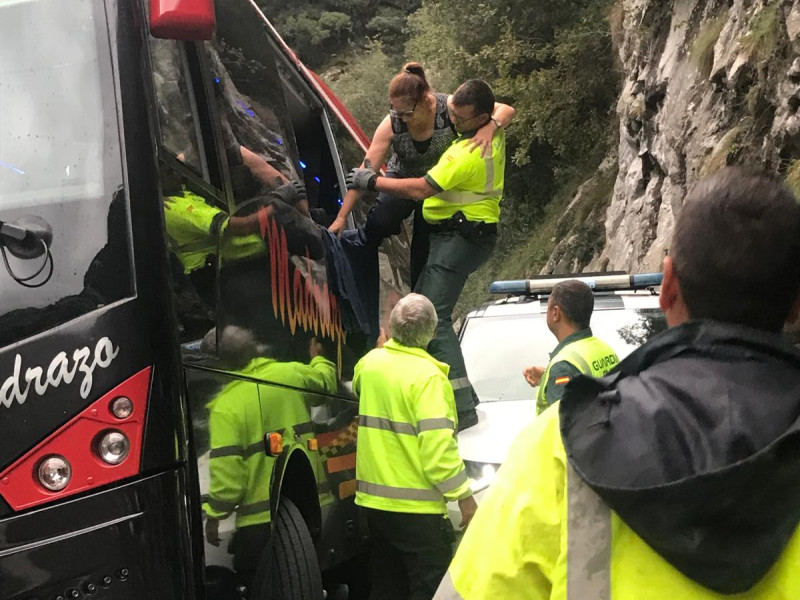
(706, 83)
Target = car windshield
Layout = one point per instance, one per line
(518, 341)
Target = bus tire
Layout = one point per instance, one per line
(290, 562)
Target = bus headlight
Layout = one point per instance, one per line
(54, 472)
(121, 407)
(113, 447)
(482, 474)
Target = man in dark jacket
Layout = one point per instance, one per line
(687, 455)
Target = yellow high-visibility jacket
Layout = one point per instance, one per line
(582, 353)
(408, 457)
(192, 227)
(523, 545)
(239, 417)
(468, 182)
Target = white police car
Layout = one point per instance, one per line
(501, 338)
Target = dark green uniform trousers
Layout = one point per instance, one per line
(451, 260)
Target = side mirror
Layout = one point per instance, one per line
(188, 20)
(27, 237)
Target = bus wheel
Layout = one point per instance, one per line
(293, 570)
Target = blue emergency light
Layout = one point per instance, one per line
(599, 283)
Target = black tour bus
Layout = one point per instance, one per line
(177, 328)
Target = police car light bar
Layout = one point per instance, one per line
(598, 283)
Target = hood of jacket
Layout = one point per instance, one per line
(694, 441)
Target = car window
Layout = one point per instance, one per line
(519, 341)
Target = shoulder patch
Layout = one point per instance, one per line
(562, 380)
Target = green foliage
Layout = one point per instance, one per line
(388, 25)
(793, 177)
(562, 82)
(522, 251)
(724, 152)
(568, 103)
(312, 32)
(702, 52)
(363, 87)
(765, 37)
(320, 29)
(433, 43)
(335, 24)
(513, 260)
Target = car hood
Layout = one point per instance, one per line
(499, 422)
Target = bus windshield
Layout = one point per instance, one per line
(60, 161)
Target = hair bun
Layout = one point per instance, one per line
(414, 68)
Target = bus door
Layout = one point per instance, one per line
(266, 347)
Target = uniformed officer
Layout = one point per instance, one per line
(569, 309)
(408, 464)
(461, 194)
(677, 475)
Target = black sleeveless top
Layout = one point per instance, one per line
(411, 158)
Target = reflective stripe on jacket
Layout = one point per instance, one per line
(468, 182)
(542, 534)
(590, 355)
(242, 413)
(408, 457)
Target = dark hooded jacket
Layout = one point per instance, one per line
(694, 441)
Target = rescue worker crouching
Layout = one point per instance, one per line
(408, 463)
(569, 311)
(677, 475)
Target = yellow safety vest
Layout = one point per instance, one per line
(408, 457)
(471, 184)
(192, 225)
(542, 534)
(242, 413)
(590, 355)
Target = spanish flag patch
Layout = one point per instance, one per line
(562, 380)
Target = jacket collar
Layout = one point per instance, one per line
(393, 345)
(581, 334)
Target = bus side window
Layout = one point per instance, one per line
(271, 239)
(192, 226)
(175, 103)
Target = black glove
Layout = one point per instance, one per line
(291, 193)
(362, 178)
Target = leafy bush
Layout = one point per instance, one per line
(765, 37)
(363, 86)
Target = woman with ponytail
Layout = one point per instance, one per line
(417, 130)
